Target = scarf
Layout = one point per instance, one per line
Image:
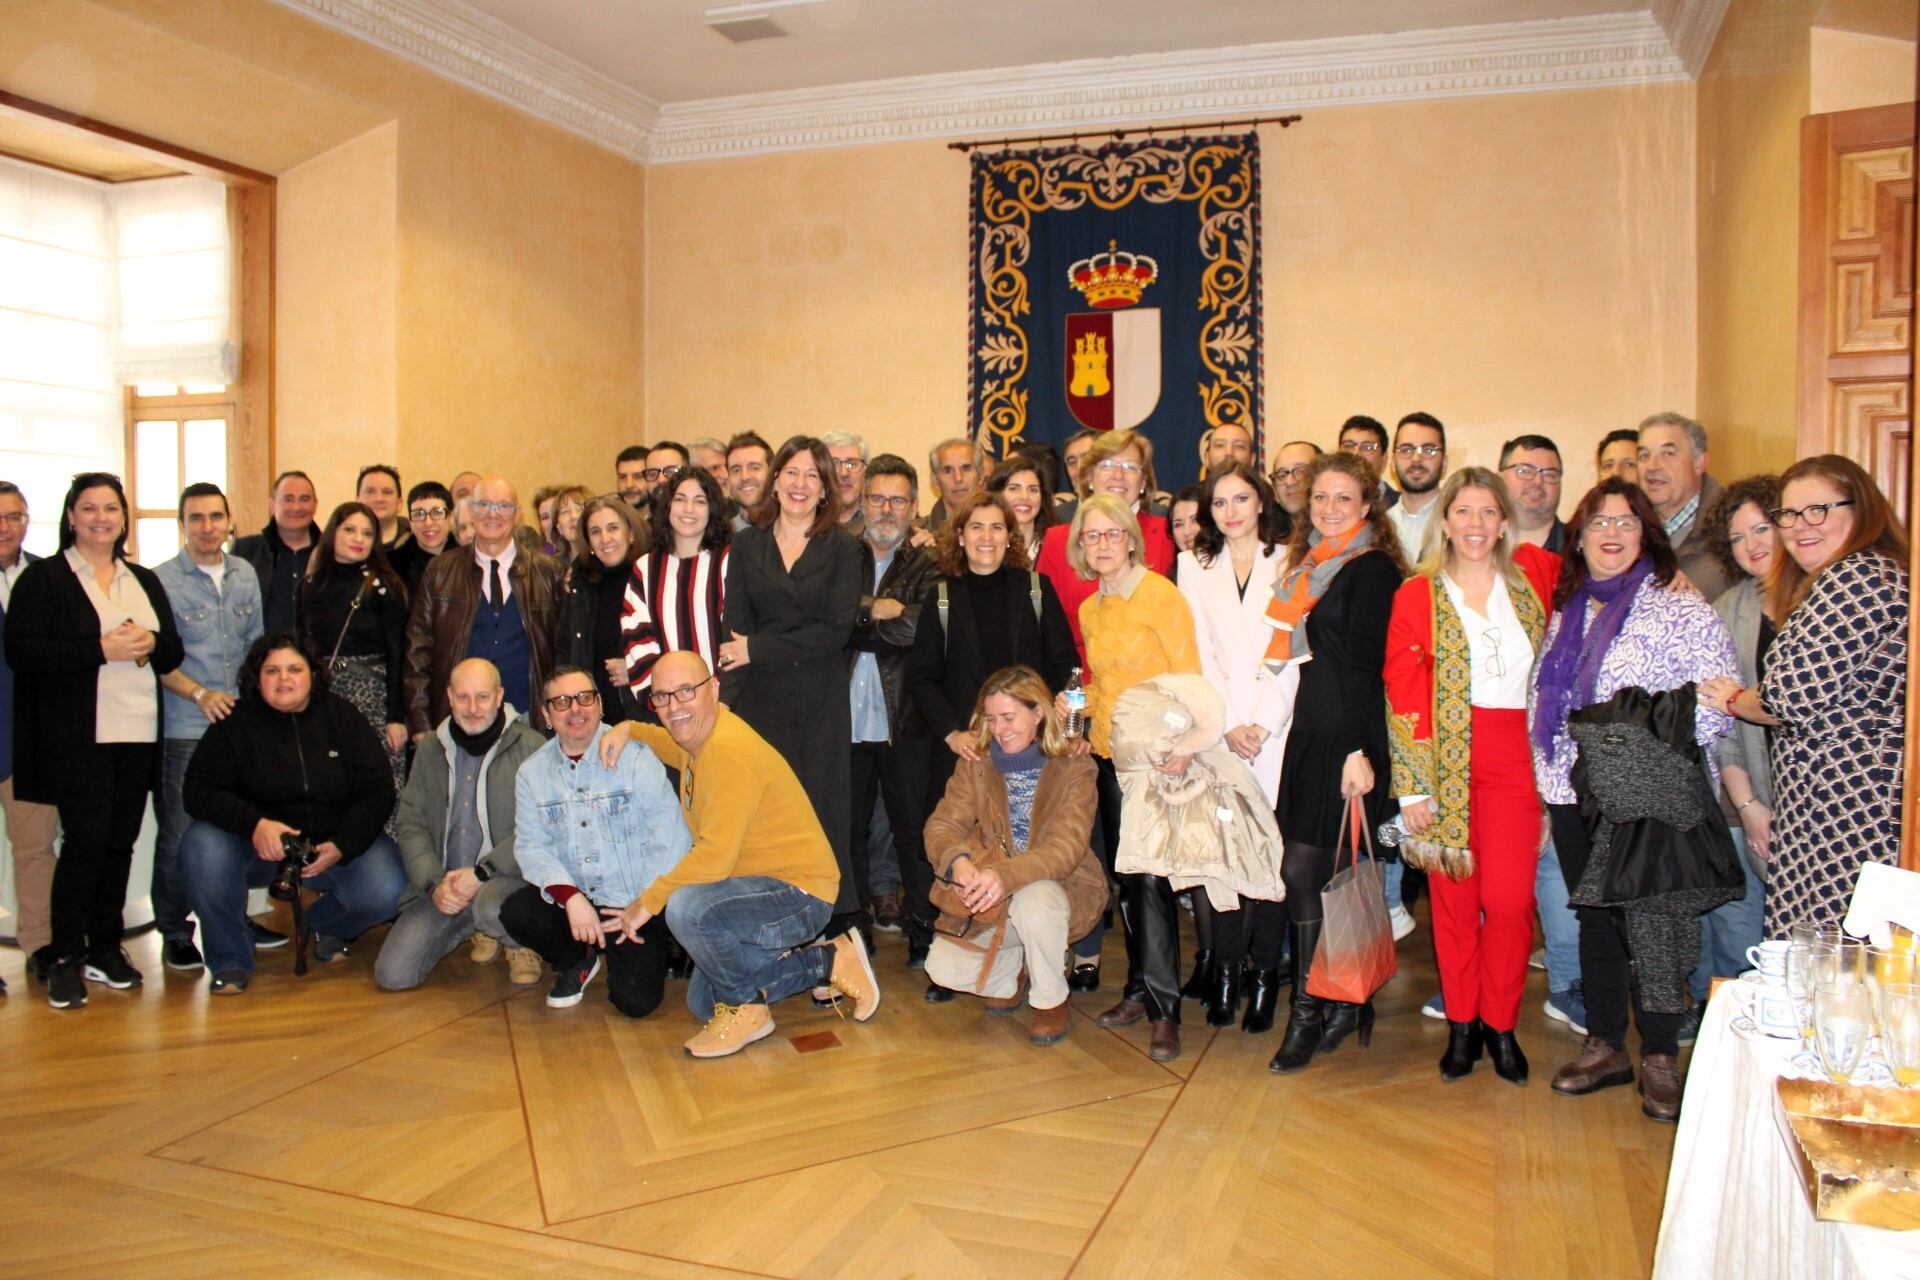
(478, 744)
(1571, 668)
(1296, 591)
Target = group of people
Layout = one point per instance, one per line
(751, 708)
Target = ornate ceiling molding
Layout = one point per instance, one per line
(484, 54)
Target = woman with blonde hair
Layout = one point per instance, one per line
(1136, 625)
(1460, 648)
(1835, 688)
(1009, 843)
(1119, 464)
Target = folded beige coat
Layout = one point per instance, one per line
(1210, 827)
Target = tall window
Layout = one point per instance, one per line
(177, 435)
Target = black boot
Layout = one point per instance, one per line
(1263, 994)
(1463, 1050)
(1508, 1062)
(1343, 1019)
(1306, 1020)
(1200, 985)
(1223, 999)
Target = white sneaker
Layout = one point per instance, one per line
(1402, 921)
(1538, 960)
(1435, 1008)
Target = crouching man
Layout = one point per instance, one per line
(761, 879)
(455, 830)
(589, 837)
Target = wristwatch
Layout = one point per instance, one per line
(480, 873)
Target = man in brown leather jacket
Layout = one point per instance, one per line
(495, 600)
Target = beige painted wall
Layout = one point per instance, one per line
(1516, 263)
(1851, 70)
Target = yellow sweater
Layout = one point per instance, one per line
(747, 813)
(1139, 632)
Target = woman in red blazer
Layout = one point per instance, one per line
(1460, 649)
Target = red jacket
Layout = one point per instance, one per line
(1073, 589)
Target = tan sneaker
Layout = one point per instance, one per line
(484, 949)
(853, 976)
(523, 966)
(731, 1028)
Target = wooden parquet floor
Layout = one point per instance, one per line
(321, 1126)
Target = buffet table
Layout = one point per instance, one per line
(1736, 1208)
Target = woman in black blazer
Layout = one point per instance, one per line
(793, 586)
(89, 634)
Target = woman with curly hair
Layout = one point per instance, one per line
(676, 595)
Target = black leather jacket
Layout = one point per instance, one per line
(891, 642)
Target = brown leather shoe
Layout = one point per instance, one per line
(1049, 1025)
(1166, 1042)
(1124, 1014)
(1660, 1087)
(1004, 1006)
(1599, 1066)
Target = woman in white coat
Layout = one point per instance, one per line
(1228, 579)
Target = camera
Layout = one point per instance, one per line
(300, 855)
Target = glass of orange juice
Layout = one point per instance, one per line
(1900, 1031)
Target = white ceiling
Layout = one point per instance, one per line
(664, 49)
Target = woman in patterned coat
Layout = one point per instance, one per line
(1835, 689)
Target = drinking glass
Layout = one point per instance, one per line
(1900, 1031)
(1853, 960)
(1812, 934)
(1842, 1020)
(1826, 965)
(1888, 966)
(1800, 985)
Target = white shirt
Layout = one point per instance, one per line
(505, 558)
(217, 571)
(7, 577)
(1502, 654)
(126, 699)
(1411, 526)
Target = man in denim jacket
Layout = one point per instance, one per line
(589, 838)
(216, 606)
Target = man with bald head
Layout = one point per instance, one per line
(495, 600)
(759, 883)
(455, 829)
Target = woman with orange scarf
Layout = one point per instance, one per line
(1460, 652)
(1330, 611)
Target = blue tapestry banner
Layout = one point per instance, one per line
(1117, 286)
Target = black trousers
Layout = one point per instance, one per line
(1606, 963)
(1258, 931)
(96, 850)
(636, 972)
(892, 772)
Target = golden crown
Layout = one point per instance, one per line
(1114, 278)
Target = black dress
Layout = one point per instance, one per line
(794, 688)
(1342, 704)
(590, 632)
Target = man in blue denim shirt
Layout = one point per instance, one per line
(216, 606)
(589, 838)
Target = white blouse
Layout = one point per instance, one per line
(126, 699)
(1502, 654)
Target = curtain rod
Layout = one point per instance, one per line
(1119, 134)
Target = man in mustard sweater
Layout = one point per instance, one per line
(760, 881)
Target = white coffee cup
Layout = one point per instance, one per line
(1773, 1010)
(1770, 958)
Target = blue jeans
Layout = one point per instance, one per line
(219, 869)
(1729, 929)
(748, 941)
(1557, 923)
(1391, 874)
(170, 816)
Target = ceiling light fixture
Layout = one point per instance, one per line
(744, 8)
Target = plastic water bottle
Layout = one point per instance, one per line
(1392, 832)
(1076, 693)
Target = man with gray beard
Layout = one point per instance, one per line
(885, 739)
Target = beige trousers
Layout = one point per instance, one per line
(1036, 937)
(30, 832)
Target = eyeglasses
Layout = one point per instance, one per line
(1604, 524)
(901, 503)
(1284, 474)
(683, 694)
(492, 508)
(1115, 464)
(427, 513)
(1527, 471)
(1423, 450)
(847, 466)
(657, 473)
(1359, 446)
(1094, 537)
(561, 701)
(1787, 517)
(1496, 665)
(14, 517)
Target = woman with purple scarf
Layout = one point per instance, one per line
(1617, 626)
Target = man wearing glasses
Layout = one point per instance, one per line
(1289, 479)
(849, 454)
(663, 459)
(430, 517)
(589, 837)
(761, 880)
(1530, 465)
(1419, 461)
(497, 601)
(29, 825)
(1366, 437)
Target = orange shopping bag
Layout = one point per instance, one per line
(1355, 957)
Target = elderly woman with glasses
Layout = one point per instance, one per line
(1119, 464)
(1834, 691)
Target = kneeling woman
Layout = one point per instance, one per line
(290, 759)
(1009, 841)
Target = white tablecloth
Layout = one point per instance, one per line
(1736, 1208)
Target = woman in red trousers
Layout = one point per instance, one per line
(1460, 650)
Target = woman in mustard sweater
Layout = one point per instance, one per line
(1136, 626)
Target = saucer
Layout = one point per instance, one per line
(1753, 977)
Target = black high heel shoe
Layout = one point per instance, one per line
(1263, 996)
(1464, 1044)
(1223, 996)
(1508, 1062)
(1343, 1019)
(1200, 985)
